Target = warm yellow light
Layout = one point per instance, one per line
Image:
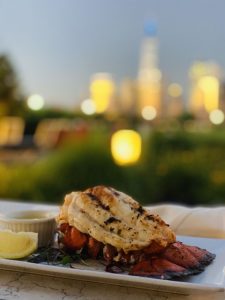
(149, 95)
(149, 113)
(216, 116)
(126, 147)
(175, 90)
(101, 88)
(210, 89)
(11, 130)
(88, 107)
(35, 102)
(198, 69)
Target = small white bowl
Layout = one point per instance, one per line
(40, 221)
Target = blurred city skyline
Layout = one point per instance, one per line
(57, 46)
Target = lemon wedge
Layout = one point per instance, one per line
(15, 245)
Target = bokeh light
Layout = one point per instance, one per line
(35, 102)
(126, 147)
(88, 107)
(216, 116)
(209, 86)
(101, 89)
(149, 113)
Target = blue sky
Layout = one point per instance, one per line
(56, 45)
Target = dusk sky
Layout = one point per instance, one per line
(56, 45)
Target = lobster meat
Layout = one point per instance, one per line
(107, 223)
(174, 261)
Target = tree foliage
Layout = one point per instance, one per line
(10, 92)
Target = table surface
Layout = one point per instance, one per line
(19, 285)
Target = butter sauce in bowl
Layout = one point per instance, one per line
(39, 221)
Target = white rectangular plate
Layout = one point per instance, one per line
(210, 281)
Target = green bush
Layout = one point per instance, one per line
(176, 167)
(75, 166)
(187, 168)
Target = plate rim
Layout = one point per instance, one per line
(184, 288)
(178, 287)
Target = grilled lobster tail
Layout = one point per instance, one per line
(110, 224)
(177, 260)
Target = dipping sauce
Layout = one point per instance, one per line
(39, 221)
(29, 215)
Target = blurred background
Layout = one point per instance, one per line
(129, 94)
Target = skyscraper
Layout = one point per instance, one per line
(149, 75)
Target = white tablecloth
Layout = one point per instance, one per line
(22, 286)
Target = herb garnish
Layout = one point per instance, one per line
(55, 256)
